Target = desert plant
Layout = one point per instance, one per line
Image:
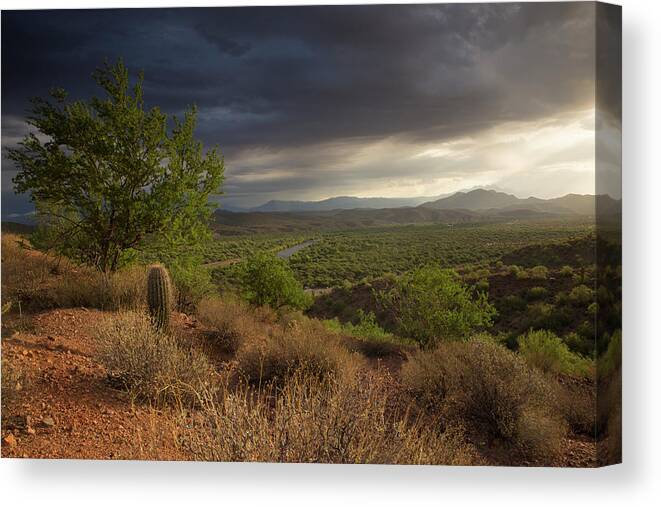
(581, 295)
(159, 296)
(233, 321)
(309, 420)
(537, 293)
(488, 389)
(546, 351)
(268, 280)
(303, 345)
(152, 365)
(431, 304)
(539, 272)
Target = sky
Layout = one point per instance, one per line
(374, 101)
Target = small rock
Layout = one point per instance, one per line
(10, 441)
(51, 338)
(30, 431)
(48, 422)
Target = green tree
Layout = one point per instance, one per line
(112, 177)
(431, 304)
(268, 280)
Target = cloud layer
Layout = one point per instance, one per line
(362, 100)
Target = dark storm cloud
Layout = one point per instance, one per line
(289, 77)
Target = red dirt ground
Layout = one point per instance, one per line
(74, 412)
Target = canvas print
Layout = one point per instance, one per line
(320, 234)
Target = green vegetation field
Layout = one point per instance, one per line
(350, 256)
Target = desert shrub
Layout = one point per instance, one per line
(567, 271)
(518, 272)
(192, 283)
(431, 304)
(578, 406)
(482, 285)
(537, 293)
(546, 351)
(25, 273)
(268, 280)
(539, 273)
(611, 360)
(579, 344)
(37, 281)
(152, 366)
(321, 421)
(537, 314)
(301, 346)
(581, 295)
(233, 321)
(366, 326)
(489, 389)
(512, 303)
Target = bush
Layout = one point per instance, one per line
(518, 272)
(488, 389)
(365, 327)
(38, 281)
(581, 295)
(314, 421)
(430, 304)
(611, 360)
(233, 320)
(539, 273)
(537, 293)
(303, 345)
(268, 280)
(152, 366)
(512, 303)
(567, 271)
(544, 350)
(192, 283)
(578, 406)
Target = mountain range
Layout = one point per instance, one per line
(478, 205)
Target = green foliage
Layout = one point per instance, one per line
(539, 273)
(367, 327)
(112, 178)
(373, 252)
(537, 293)
(611, 360)
(567, 271)
(430, 304)
(581, 295)
(546, 351)
(268, 280)
(159, 296)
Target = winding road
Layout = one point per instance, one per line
(283, 254)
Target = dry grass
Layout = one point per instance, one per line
(490, 390)
(299, 345)
(33, 280)
(578, 406)
(308, 420)
(233, 321)
(152, 366)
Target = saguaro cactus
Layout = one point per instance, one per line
(159, 296)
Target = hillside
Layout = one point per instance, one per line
(489, 200)
(342, 202)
